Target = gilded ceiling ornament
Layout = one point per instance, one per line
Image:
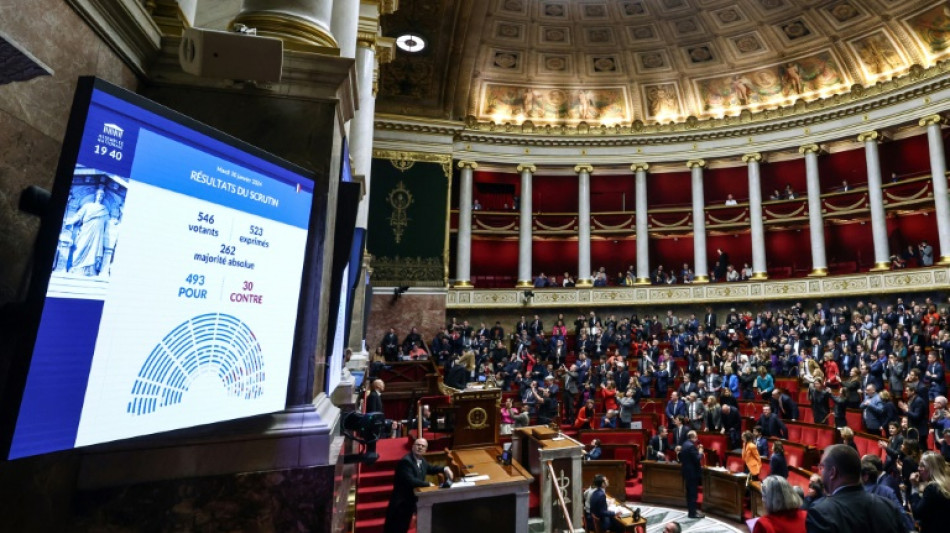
(399, 199)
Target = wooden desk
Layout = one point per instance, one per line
(723, 493)
(663, 483)
(614, 471)
(498, 504)
(640, 526)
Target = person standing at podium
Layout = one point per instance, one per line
(411, 472)
(692, 472)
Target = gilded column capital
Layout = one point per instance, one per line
(366, 39)
(932, 119)
(870, 136)
(701, 163)
(470, 164)
(583, 167)
(809, 149)
(298, 32)
(527, 166)
(388, 7)
(749, 158)
(637, 167)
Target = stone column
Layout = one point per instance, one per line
(938, 170)
(759, 267)
(643, 229)
(816, 225)
(463, 248)
(583, 225)
(361, 127)
(344, 25)
(701, 268)
(301, 24)
(882, 253)
(524, 225)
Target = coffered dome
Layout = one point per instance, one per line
(617, 62)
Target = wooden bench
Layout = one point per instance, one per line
(619, 444)
(716, 443)
(800, 455)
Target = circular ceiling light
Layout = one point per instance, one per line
(411, 42)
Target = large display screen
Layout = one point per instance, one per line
(173, 295)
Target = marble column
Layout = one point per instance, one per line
(301, 24)
(463, 247)
(643, 228)
(344, 25)
(759, 267)
(361, 127)
(701, 268)
(816, 225)
(584, 278)
(524, 225)
(938, 170)
(882, 253)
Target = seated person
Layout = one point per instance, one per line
(610, 420)
(599, 508)
(595, 451)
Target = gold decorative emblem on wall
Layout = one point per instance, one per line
(477, 418)
(400, 199)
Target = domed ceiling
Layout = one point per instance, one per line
(618, 61)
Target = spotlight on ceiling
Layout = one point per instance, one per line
(411, 42)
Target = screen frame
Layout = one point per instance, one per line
(28, 313)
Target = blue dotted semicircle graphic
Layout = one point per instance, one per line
(213, 342)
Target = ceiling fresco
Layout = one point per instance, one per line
(610, 62)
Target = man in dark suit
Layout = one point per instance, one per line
(675, 407)
(598, 506)
(784, 406)
(917, 411)
(848, 506)
(659, 445)
(680, 431)
(374, 401)
(411, 472)
(692, 471)
(772, 426)
(709, 321)
(390, 345)
(820, 400)
(732, 426)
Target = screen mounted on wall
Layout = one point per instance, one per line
(173, 291)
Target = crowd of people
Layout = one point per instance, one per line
(885, 358)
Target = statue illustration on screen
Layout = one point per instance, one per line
(89, 243)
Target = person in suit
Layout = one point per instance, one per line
(772, 426)
(689, 456)
(873, 407)
(696, 412)
(750, 455)
(374, 401)
(659, 445)
(847, 506)
(680, 432)
(917, 411)
(731, 425)
(411, 472)
(820, 400)
(598, 506)
(784, 406)
(390, 345)
(675, 407)
(778, 465)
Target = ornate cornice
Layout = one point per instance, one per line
(126, 26)
(905, 281)
(915, 85)
(417, 157)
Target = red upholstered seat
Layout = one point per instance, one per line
(805, 414)
(716, 442)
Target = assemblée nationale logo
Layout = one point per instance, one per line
(111, 135)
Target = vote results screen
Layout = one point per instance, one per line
(174, 298)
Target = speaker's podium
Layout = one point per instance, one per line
(487, 496)
(472, 415)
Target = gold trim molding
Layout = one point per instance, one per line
(527, 166)
(855, 285)
(932, 119)
(297, 33)
(584, 168)
(637, 167)
(701, 163)
(754, 157)
(870, 136)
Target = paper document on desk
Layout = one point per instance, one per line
(620, 511)
(462, 483)
(482, 477)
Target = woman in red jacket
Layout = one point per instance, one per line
(782, 513)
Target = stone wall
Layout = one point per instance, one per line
(34, 114)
